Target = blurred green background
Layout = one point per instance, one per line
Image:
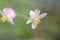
(49, 27)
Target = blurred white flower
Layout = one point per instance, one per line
(8, 14)
(35, 17)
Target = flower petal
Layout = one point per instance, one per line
(9, 12)
(29, 20)
(36, 11)
(11, 21)
(31, 13)
(34, 25)
(42, 15)
(2, 13)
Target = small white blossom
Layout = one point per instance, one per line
(35, 17)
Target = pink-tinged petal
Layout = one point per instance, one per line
(42, 15)
(34, 25)
(36, 11)
(9, 12)
(29, 20)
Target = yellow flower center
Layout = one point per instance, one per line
(3, 19)
(37, 20)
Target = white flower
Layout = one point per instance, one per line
(8, 14)
(35, 17)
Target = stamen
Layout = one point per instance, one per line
(3, 19)
(36, 20)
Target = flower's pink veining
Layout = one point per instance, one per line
(36, 11)
(10, 10)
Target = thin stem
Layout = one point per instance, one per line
(23, 16)
(38, 32)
